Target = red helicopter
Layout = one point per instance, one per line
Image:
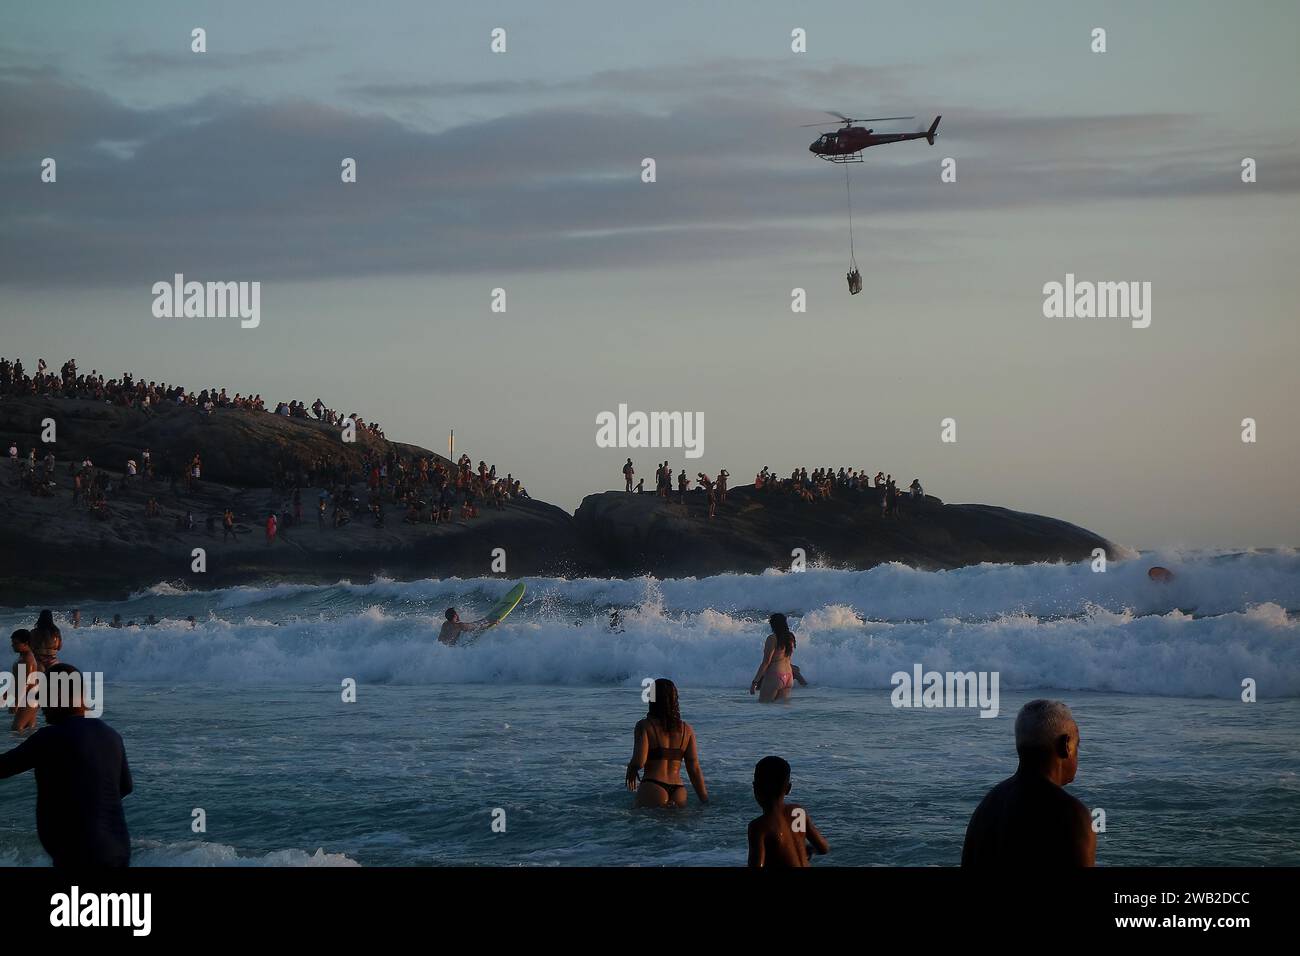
(846, 144)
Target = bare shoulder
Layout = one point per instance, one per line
(1078, 809)
(999, 792)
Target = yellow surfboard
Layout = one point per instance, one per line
(505, 605)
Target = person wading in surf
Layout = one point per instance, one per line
(662, 743)
(777, 674)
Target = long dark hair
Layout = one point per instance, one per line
(781, 630)
(663, 704)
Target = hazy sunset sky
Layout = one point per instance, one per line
(522, 170)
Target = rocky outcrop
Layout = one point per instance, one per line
(240, 448)
(753, 531)
(50, 550)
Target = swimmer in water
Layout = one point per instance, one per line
(454, 627)
(662, 743)
(1028, 821)
(25, 670)
(777, 674)
(782, 836)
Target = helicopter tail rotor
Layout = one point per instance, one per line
(929, 136)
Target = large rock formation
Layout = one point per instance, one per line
(50, 550)
(754, 531)
(238, 447)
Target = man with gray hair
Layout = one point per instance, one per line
(1028, 820)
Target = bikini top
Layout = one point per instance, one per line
(668, 753)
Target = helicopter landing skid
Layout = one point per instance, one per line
(843, 158)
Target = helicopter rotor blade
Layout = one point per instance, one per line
(838, 115)
(845, 119)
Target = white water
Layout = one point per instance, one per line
(1224, 618)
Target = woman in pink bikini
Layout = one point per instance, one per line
(777, 674)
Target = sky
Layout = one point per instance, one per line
(522, 171)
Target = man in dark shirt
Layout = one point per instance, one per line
(1028, 820)
(81, 778)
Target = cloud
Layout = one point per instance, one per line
(228, 187)
(748, 78)
(151, 63)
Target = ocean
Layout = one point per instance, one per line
(511, 751)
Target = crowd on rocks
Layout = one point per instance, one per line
(423, 487)
(824, 483)
(819, 485)
(128, 391)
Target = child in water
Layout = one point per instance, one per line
(25, 670)
(782, 835)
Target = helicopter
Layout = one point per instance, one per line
(846, 144)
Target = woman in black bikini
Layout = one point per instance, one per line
(661, 744)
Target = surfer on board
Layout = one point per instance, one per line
(454, 627)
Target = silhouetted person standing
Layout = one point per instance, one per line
(1028, 821)
(81, 778)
